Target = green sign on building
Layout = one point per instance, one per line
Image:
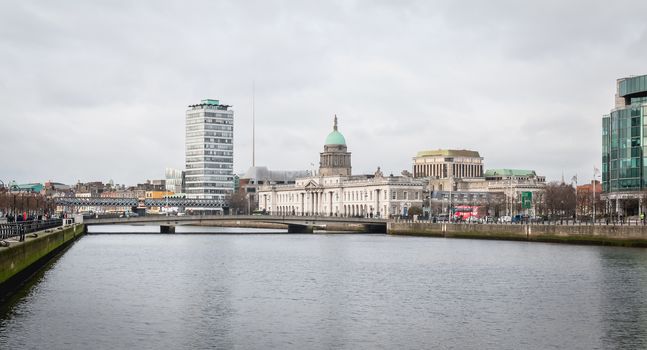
(526, 200)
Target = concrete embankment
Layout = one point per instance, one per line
(20, 260)
(630, 236)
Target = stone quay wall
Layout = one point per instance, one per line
(20, 260)
(634, 236)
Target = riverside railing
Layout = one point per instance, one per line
(20, 229)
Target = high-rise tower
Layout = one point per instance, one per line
(209, 150)
(624, 147)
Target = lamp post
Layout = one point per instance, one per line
(596, 172)
(451, 188)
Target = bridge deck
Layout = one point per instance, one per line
(203, 219)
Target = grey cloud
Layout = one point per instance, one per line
(98, 90)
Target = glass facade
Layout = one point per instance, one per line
(624, 139)
(209, 150)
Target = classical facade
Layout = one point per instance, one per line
(448, 163)
(457, 177)
(257, 176)
(334, 191)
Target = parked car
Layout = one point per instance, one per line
(519, 218)
(505, 219)
(474, 220)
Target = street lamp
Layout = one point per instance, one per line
(451, 188)
(596, 172)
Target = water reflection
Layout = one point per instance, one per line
(624, 291)
(189, 291)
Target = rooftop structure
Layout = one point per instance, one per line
(335, 159)
(446, 163)
(449, 153)
(493, 173)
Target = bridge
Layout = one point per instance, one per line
(294, 224)
(134, 202)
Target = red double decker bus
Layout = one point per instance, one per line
(465, 212)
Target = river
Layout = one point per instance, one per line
(328, 291)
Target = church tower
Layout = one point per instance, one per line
(335, 159)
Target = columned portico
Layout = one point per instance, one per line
(334, 191)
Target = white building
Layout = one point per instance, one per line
(448, 163)
(336, 192)
(209, 150)
(174, 180)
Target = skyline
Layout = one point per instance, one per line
(526, 87)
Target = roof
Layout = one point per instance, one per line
(33, 187)
(262, 173)
(212, 103)
(335, 138)
(636, 85)
(509, 172)
(449, 153)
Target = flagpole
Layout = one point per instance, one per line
(593, 194)
(575, 220)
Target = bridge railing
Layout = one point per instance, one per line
(20, 229)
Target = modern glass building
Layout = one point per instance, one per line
(624, 146)
(209, 150)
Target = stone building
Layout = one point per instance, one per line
(447, 163)
(334, 191)
(457, 177)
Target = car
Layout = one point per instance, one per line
(519, 218)
(505, 219)
(474, 220)
(181, 214)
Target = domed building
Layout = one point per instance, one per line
(334, 191)
(335, 159)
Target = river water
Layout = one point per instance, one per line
(326, 291)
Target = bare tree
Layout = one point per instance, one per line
(560, 200)
(238, 203)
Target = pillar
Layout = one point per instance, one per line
(300, 229)
(167, 229)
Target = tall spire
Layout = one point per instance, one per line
(253, 123)
(335, 125)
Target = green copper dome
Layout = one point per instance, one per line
(335, 138)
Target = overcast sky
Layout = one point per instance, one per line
(97, 90)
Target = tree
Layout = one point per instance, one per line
(415, 210)
(238, 203)
(560, 200)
